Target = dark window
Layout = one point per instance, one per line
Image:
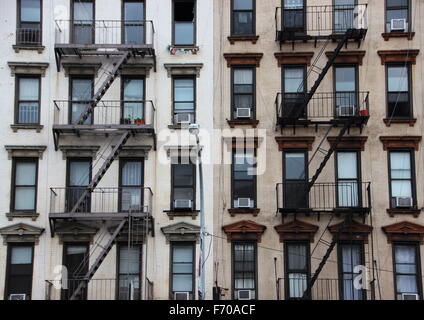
(182, 270)
(19, 270)
(350, 256)
(129, 272)
(78, 178)
(294, 89)
(24, 184)
(344, 15)
(76, 261)
(407, 273)
(348, 179)
(184, 99)
(183, 185)
(133, 97)
(244, 268)
(243, 16)
(83, 22)
(184, 22)
(402, 179)
(244, 178)
(396, 12)
(131, 184)
(81, 92)
(134, 23)
(346, 91)
(399, 91)
(297, 268)
(27, 100)
(29, 22)
(243, 93)
(295, 179)
(294, 16)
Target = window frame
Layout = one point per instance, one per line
(233, 278)
(72, 20)
(19, 23)
(305, 82)
(334, 14)
(358, 173)
(184, 77)
(305, 21)
(68, 186)
(144, 23)
(119, 246)
(122, 162)
(65, 294)
(71, 101)
(171, 268)
(306, 170)
(410, 88)
(10, 246)
(307, 244)
(18, 101)
(253, 94)
(194, 186)
(356, 68)
(233, 180)
(233, 11)
(409, 21)
(122, 93)
(13, 186)
(194, 25)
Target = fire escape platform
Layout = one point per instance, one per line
(98, 216)
(337, 211)
(356, 35)
(358, 121)
(102, 129)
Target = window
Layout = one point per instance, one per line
(27, 100)
(19, 270)
(134, 23)
(131, 185)
(184, 22)
(182, 270)
(295, 179)
(294, 89)
(244, 268)
(398, 91)
(395, 10)
(129, 272)
(348, 179)
(133, 97)
(81, 92)
(76, 261)
(346, 91)
(184, 99)
(407, 270)
(297, 268)
(183, 185)
(83, 22)
(24, 184)
(243, 17)
(344, 15)
(29, 22)
(402, 183)
(244, 178)
(243, 93)
(350, 256)
(294, 15)
(78, 178)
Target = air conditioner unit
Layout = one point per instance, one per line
(181, 118)
(398, 24)
(410, 296)
(182, 204)
(17, 296)
(345, 111)
(403, 202)
(243, 203)
(243, 113)
(181, 295)
(244, 295)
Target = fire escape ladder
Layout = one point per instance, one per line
(98, 261)
(103, 88)
(102, 171)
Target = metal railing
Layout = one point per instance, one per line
(105, 32)
(323, 196)
(323, 105)
(28, 36)
(320, 20)
(102, 200)
(107, 112)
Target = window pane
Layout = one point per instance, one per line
(29, 89)
(243, 23)
(133, 89)
(131, 173)
(297, 284)
(297, 257)
(400, 165)
(30, 10)
(183, 254)
(401, 188)
(183, 174)
(183, 89)
(243, 4)
(345, 79)
(182, 282)
(25, 173)
(79, 173)
(81, 89)
(129, 263)
(243, 76)
(28, 112)
(347, 167)
(21, 255)
(397, 79)
(406, 284)
(134, 11)
(397, 3)
(351, 257)
(293, 4)
(294, 166)
(24, 198)
(405, 254)
(184, 33)
(344, 2)
(293, 80)
(183, 267)
(83, 10)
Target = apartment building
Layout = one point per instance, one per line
(99, 200)
(331, 90)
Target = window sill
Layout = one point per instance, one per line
(234, 39)
(16, 127)
(252, 123)
(410, 121)
(22, 214)
(183, 213)
(388, 35)
(404, 211)
(38, 48)
(253, 211)
(178, 126)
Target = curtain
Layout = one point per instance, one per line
(79, 173)
(297, 257)
(21, 255)
(131, 173)
(243, 76)
(298, 283)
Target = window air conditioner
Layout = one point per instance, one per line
(243, 203)
(182, 204)
(410, 296)
(244, 295)
(398, 24)
(403, 202)
(17, 296)
(181, 295)
(345, 111)
(243, 113)
(183, 118)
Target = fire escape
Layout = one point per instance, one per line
(128, 210)
(322, 25)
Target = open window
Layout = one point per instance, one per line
(184, 13)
